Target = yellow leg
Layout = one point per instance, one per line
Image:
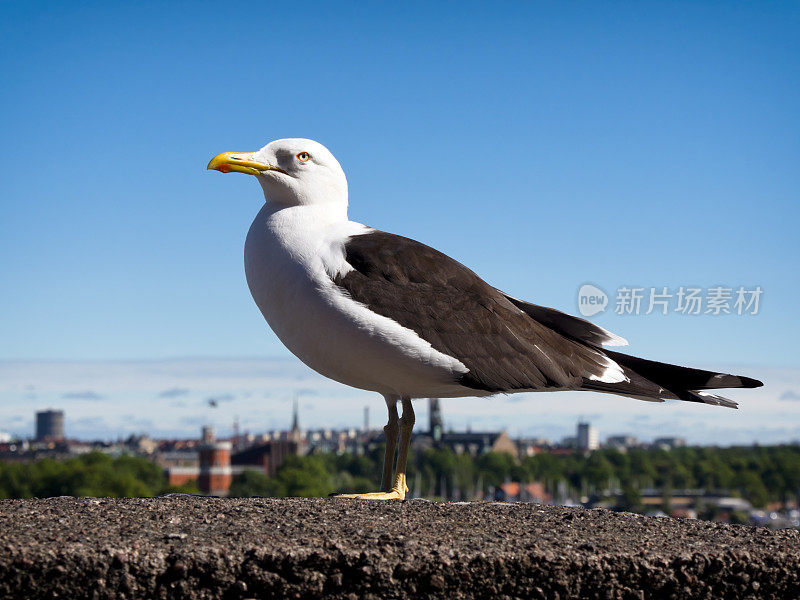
(406, 428)
(399, 489)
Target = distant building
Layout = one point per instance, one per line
(266, 457)
(182, 475)
(513, 491)
(208, 462)
(335, 441)
(692, 499)
(207, 435)
(533, 446)
(435, 423)
(215, 475)
(182, 464)
(141, 444)
(568, 443)
(588, 437)
(622, 442)
(50, 425)
(477, 443)
(668, 443)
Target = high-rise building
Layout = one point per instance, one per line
(50, 425)
(588, 437)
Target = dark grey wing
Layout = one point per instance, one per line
(572, 327)
(462, 316)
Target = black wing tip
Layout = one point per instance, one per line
(749, 382)
(723, 380)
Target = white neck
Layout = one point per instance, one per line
(305, 193)
(303, 215)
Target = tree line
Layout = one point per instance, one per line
(92, 474)
(758, 474)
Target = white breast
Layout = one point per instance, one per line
(291, 255)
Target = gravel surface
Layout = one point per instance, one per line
(193, 547)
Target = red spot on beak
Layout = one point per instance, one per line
(224, 168)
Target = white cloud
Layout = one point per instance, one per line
(85, 395)
(174, 393)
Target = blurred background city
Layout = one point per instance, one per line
(659, 477)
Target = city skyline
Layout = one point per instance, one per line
(50, 435)
(171, 399)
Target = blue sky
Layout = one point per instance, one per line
(545, 146)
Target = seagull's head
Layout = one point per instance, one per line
(293, 172)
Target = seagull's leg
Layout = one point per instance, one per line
(390, 431)
(399, 489)
(406, 427)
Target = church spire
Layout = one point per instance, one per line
(295, 416)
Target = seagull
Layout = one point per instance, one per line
(386, 313)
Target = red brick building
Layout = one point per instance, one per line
(215, 475)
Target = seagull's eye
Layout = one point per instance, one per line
(304, 157)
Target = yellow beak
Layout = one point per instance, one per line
(239, 162)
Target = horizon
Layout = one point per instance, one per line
(169, 398)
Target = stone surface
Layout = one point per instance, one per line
(192, 547)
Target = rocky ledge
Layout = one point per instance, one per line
(193, 547)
